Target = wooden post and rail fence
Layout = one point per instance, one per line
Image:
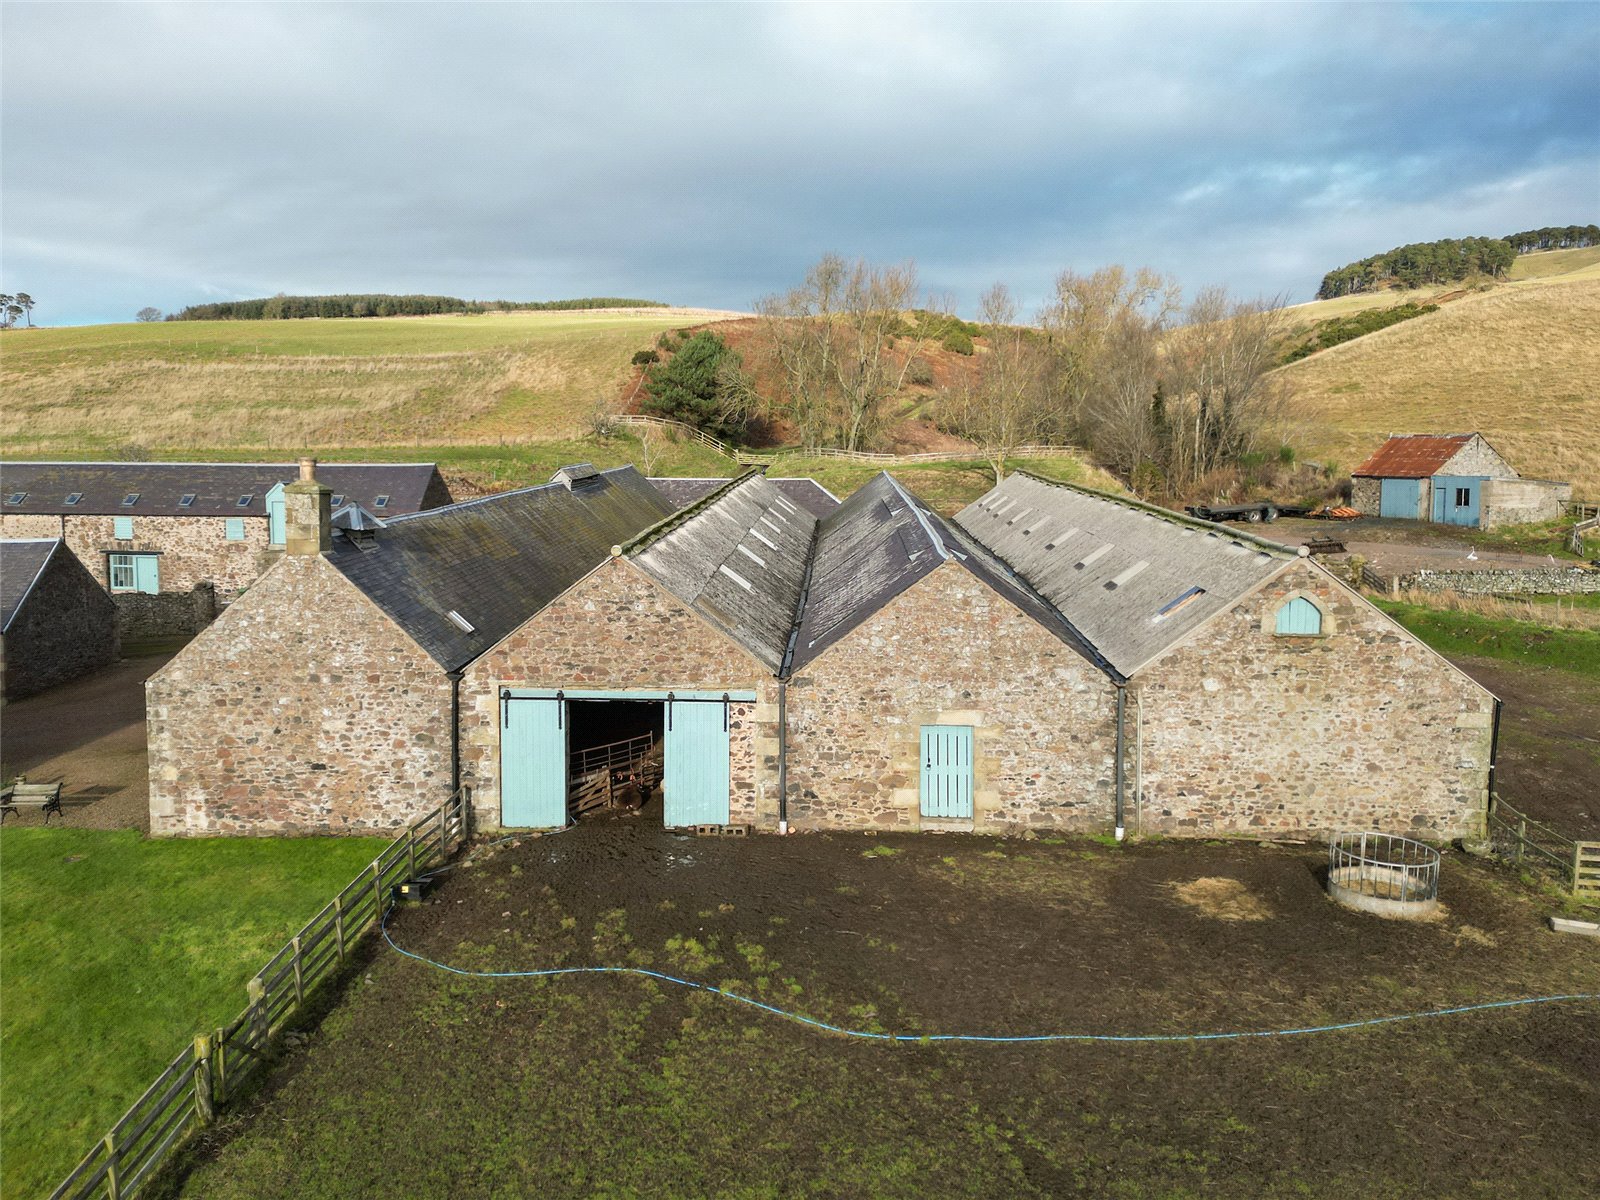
(213, 1069)
(747, 458)
(1519, 838)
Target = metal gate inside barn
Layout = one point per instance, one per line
(534, 727)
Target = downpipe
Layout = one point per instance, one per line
(1122, 755)
(783, 757)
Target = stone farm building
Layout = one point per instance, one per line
(56, 621)
(1453, 479)
(175, 542)
(1053, 658)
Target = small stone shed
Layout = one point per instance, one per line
(56, 621)
(1452, 479)
(1053, 658)
(174, 543)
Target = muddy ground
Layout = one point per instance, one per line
(90, 735)
(1549, 743)
(429, 1084)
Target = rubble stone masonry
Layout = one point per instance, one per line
(619, 629)
(66, 628)
(951, 651)
(303, 709)
(1362, 727)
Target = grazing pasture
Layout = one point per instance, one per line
(116, 950)
(482, 379)
(621, 1085)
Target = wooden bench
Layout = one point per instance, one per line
(19, 794)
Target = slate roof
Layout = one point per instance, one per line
(807, 493)
(494, 561)
(1111, 565)
(1414, 455)
(21, 563)
(738, 556)
(216, 487)
(878, 543)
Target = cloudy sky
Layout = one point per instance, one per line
(704, 155)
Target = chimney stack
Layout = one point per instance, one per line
(307, 513)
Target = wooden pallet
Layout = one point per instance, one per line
(1586, 870)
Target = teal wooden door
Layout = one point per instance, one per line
(147, 574)
(947, 771)
(695, 779)
(1455, 499)
(1400, 498)
(533, 762)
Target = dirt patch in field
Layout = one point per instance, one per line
(620, 1084)
(1224, 899)
(90, 735)
(1549, 743)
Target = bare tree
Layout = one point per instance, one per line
(832, 339)
(148, 313)
(1002, 404)
(1222, 402)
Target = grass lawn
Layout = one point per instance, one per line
(623, 1086)
(117, 949)
(1464, 634)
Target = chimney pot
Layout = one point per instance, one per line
(308, 469)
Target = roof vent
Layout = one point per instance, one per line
(575, 476)
(460, 622)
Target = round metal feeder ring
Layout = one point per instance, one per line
(1384, 874)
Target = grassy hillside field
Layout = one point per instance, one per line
(1520, 363)
(452, 380)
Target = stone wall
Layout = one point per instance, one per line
(66, 628)
(193, 549)
(303, 709)
(1523, 501)
(619, 629)
(1361, 728)
(950, 651)
(164, 616)
(1477, 457)
(1536, 581)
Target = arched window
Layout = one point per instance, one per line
(1299, 618)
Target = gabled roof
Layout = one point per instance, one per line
(1132, 578)
(216, 487)
(807, 493)
(880, 542)
(496, 561)
(1414, 455)
(22, 561)
(738, 556)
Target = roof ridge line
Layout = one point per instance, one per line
(913, 503)
(667, 524)
(1166, 514)
(460, 504)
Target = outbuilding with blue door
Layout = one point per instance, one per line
(1451, 479)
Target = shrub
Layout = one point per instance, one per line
(957, 341)
(692, 386)
(920, 373)
(643, 358)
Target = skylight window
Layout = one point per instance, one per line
(187, 500)
(130, 500)
(753, 556)
(736, 577)
(74, 497)
(1126, 576)
(1175, 604)
(244, 501)
(338, 502)
(16, 497)
(381, 502)
(1093, 556)
(461, 622)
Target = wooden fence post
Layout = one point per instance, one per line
(299, 976)
(219, 1067)
(258, 1013)
(1522, 835)
(377, 893)
(338, 924)
(204, 1086)
(113, 1168)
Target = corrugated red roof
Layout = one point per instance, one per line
(1413, 456)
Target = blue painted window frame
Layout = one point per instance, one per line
(135, 573)
(234, 529)
(1299, 618)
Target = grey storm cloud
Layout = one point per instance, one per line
(165, 155)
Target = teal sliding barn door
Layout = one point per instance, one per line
(695, 782)
(947, 771)
(533, 762)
